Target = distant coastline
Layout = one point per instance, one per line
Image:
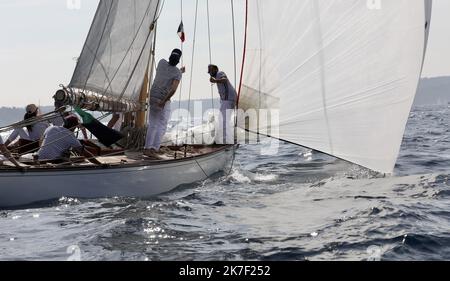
(10, 115)
(431, 91)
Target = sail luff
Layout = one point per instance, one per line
(84, 49)
(151, 72)
(98, 46)
(428, 13)
(342, 75)
(144, 49)
(244, 53)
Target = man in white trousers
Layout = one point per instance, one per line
(228, 99)
(165, 85)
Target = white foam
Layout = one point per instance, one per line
(265, 178)
(239, 177)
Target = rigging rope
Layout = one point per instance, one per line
(235, 82)
(210, 49)
(45, 117)
(98, 47)
(193, 57)
(192, 64)
(235, 69)
(234, 42)
(181, 82)
(151, 69)
(65, 135)
(139, 58)
(244, 55)
(155, 19)
(127, 52)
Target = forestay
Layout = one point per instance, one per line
(116, 53)
(342, 73)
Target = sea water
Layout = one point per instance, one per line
(297, 205)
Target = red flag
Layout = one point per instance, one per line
(181, 32)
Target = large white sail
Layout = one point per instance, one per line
(116, 53)
(342, 73)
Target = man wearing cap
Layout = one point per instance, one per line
(30, 137)
(59, 119)
(7, 154)
(228, 99)
(58, 141)
(165, 85)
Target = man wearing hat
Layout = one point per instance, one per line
(29, 138)
(62, 114)
(31, 108)
(165, 85)
(228, 99)
(59, 141)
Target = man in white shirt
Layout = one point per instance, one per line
(59, 141)
(7, 154)
(165, 85)
(59, 120)
(32, 134)
(228, 99)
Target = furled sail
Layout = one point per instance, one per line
(343, 74)
(117, 50)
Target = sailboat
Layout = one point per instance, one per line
(337, 76)
(112, 75)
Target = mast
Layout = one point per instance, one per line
(140, 116)
(146, 86)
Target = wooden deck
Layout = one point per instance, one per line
(124, 159)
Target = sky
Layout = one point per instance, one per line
(41, 40)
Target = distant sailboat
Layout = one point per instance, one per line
(340, 75)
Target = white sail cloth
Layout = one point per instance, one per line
(342, 73)
(117, 51)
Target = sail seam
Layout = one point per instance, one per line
(140, 55)
(322, 76)
(99, 43)
(128, 50)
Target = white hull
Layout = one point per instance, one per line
(20, 189)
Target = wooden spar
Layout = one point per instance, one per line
(140, 116)
(93, 102)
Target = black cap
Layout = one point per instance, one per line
(71, 121)
(177, 52)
